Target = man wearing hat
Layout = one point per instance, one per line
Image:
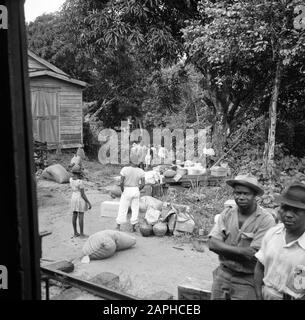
(236, 237)
(280, 269)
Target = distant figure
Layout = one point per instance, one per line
(77, 160)
(132, 181)
(155, 158)
(162, 153)
(134, 148)
(235, 237)
(79, 202)
(180, 156)
(80, 152)
(280, 268)
(142, 151)
(149, 158)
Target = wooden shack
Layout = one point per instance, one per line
(57, 104)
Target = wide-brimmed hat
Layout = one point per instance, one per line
(248, 181)
(293, 196)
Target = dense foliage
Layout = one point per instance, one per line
(186, 64)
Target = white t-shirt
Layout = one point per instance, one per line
(132, 176)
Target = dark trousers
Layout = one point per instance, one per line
(230, 285)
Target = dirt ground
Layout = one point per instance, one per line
(154, 264)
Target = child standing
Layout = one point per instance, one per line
(79, 202)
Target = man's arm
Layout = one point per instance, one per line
(258, 279)
(122, 183)
(231, 252)
(142, 183)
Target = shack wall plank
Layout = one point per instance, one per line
(70, 104)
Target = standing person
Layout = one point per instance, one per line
(132, 181)
(134, 147)
(142, 153)
(162, 153)
(76, 162)
(235, 237)
(149, 158)
(79, 202)
(280, 269)
(80, 152)
(180, 156)
(155, 159)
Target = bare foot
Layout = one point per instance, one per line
(83, 236)
(75, 235)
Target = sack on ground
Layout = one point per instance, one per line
(152, 202)
(184, 223)
(122, 240)
(116, 192)
(45, 175)
(58, 173)
(152, 215)
(142, 205)
(99, 246)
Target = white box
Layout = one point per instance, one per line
(110, 208)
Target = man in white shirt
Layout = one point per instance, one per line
(280, 269)
(132, 181)
(162, 153)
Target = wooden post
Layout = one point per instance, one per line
(19, 238)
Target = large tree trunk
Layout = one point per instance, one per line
(219, 133)
(219, 136)
(269, 154)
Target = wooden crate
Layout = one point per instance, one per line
(213, 181)
(194, 291)
(189, 180)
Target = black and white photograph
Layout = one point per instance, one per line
(153, 151)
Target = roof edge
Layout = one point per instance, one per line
(58, 76)
(46, 63)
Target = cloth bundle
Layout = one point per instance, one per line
(56, 173)
(104, 244)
